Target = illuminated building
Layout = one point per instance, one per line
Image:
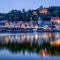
(43, 11)
(55, 20)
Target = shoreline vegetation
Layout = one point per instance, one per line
(40, 20)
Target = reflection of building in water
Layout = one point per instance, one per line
(32, 43)
(47, 35)
(36, 37)
(43, 52)
(56, 40)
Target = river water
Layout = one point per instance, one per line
(30, 46)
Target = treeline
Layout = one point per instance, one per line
(17, 15)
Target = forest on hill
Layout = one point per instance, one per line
(43, 12)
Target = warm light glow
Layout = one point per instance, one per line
(56, 20)
(55, 43)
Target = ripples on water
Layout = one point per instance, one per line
(30, 45)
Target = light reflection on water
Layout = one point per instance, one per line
(30, 45)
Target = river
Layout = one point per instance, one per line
(30, 46)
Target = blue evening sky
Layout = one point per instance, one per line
(8, 5)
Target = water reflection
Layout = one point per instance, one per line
(42, 44)
(20, 38)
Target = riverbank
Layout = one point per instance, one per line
(23, 30)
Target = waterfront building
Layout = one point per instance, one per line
(2, 23)
(55, 20)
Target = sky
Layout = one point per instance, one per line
(8, 5)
